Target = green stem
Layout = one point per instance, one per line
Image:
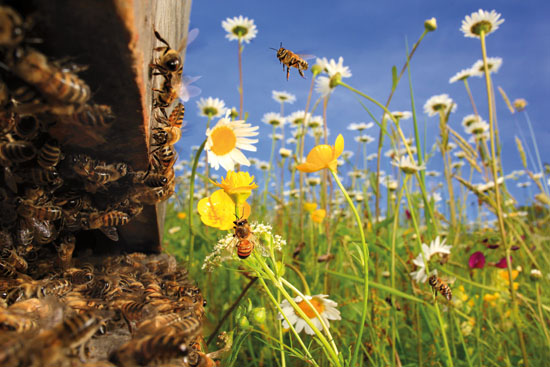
(365, 259)
(240, 80)
(191, 194)
(270, 165)
(500, 217)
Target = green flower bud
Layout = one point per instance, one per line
(316, 69)
(244, 323)
(259, 315)
(335, 80)
(430, 25)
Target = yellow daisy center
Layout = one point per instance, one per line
(316, 303)
(224, 140)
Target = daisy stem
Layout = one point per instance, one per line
(365, 259)
(240, 80)
(500, 217)
(427, 271)
(270, 165)
(191, 195)
(536, 149)
(277, 282)
(447, 165)
(422, 186)
(393, 239)
(291, 327)
(467, 86)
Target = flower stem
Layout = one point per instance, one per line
(191, 194)
(270, 166)
(500, 217)
(365, 259)
(240, 80)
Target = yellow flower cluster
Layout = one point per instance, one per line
(220, 209)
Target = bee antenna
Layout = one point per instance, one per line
(273, 48)
(281, 44)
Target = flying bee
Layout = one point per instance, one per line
(292, 60)
(16, 151)
(46, 212)
(243, 238)
(49, 155)
(12, 30)
(440, 286)
(57, 84)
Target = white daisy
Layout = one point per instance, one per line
(457, 165)
(360, 126)
(331, 67)
(436, 247)
(478, 137)
(273, 119)
(460, 154)
(441, 102)
(461, 75)
(291, 141)
(318, 132)
(276, 137)
(479, 21)
(347, 154)
(523, 184)
(322, 86)
(478, 128)
(433, 173)
(436, 197)
(263, 165)
(372, 156)
(239, 28)
(364, 139)
(325, 307)
(285, 153)
(401, 115)
(407, 165)
(211, 107)
(297, 118)
(225, 141)
(233, 113)
(283, 97)
(468, 120)
(313, 181)
(315, 122)
(355, 174)
(493, 64)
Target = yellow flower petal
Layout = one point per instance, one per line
(318, 215)
(182, 215)
(217, 211)
(309, 207)
(238, 185)
(323, 156)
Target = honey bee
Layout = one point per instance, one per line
(105, 219)
(105, 173)
(12, 30)
(47, 212)
(65, 248)
(11, 257)
(292, 60)
(16, 152)
(55, 83)
(152, 195)
(141, 352)
(7, 270)
(150, 179)
(91, 116)
(244, 239)
(199, 359)
(80, 276)
(164, 158)
(27, 128)
(440, 286)
(49, 155)
(166, 135)
(57, 287)
(18, 322)
(186, 326)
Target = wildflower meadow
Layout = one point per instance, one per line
(339, 251)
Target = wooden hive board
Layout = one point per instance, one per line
(115, 40)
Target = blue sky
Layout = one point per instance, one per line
(371, 37)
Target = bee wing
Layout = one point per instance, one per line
(187, 90)
(306, 56)
(186, 41)
(448, 280)
(10, 180)
(40, 227)
(110, 232)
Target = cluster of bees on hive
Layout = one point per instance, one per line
(60, 310)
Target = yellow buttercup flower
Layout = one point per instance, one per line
(182, 215)
(238, 185)
(310, 207)
(318, 215)
(218, 210)
(323, 156)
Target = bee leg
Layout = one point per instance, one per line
(287, 72)
(301, 73)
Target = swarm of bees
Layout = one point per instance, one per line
(60, 310)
